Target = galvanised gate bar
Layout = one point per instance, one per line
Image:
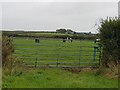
(57, 52)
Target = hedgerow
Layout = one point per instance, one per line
(110, 41)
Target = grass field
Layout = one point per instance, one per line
(57, 78)
(0, 77)
(52, 52)
(56, 51)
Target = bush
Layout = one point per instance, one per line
(110, 41)
(9, 62)
(7, 49)
(49, 35)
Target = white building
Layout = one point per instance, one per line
(119, 9)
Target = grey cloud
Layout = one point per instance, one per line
(49, 16)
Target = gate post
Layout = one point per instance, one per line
(95, 50)
(57, 54)
(100, 53)
(80, 53)
(36, 45)
(36, 55)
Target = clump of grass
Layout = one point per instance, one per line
(112, 71)
(57, 78)
(73, 70)
(7, 50)
(109, 72)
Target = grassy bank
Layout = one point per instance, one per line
(57, 78)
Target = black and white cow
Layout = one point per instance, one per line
(36, 40)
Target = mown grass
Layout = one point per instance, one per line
(57, 78)
(56, 51)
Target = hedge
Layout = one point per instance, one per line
(110, 40)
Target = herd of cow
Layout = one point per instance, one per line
(64, 40)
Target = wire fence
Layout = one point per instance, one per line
(56, 53)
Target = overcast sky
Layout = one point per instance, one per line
(78, 16)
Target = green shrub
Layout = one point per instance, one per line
(10, 63)
(110, 41)
(7, 49)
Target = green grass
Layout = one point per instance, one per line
(54, 77)
(55, 51)
(0, 77)
(57, 78)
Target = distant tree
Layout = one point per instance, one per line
(90, 33)
(61, 30)
(69, 31)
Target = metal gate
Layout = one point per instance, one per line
(57, 52)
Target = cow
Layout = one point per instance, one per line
(97, 40)
(67, 39)
(71, 40)
(36, 40)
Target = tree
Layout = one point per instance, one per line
(61, 30)
(69, 31)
